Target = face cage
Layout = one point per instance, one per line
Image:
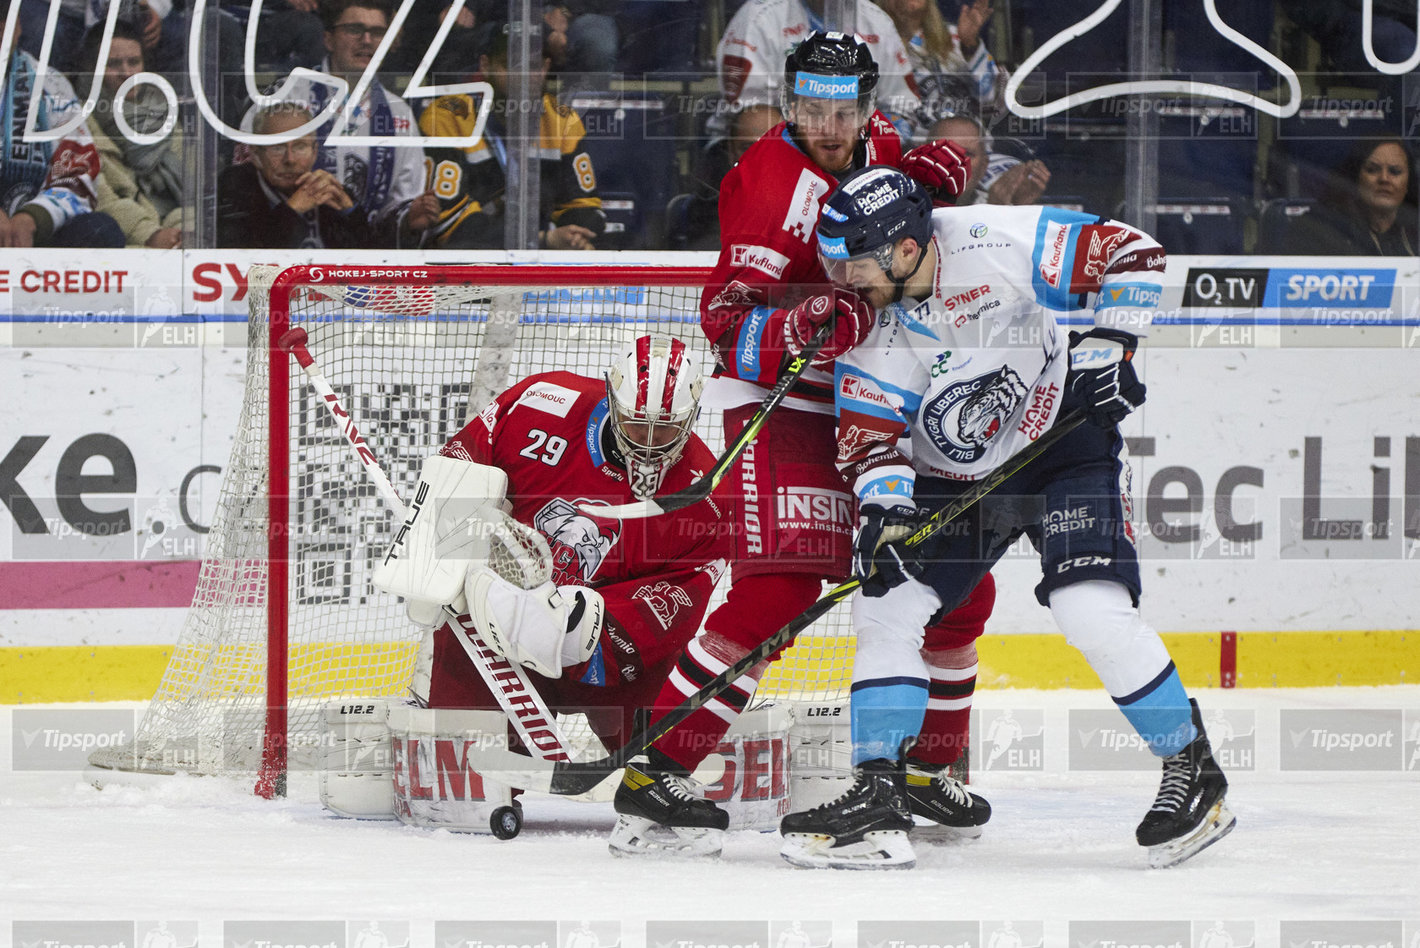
(647, 464)
(840, 270)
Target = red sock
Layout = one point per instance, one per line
(756, 607)
(946, 728)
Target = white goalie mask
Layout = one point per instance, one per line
(654, 395)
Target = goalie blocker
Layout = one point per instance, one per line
(388, 760)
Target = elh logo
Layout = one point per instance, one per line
(375, 933)
(1009, 739)
(589, 934)
(1232, 733)
(1235, 933)
(801, 934)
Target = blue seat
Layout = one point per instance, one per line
(1277, 218)
(1207, 226)
(632, 140)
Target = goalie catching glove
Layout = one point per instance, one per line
(879, 562)
(851, 317)
(1102, 374)
(545, 628)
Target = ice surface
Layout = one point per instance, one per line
(1340, 844)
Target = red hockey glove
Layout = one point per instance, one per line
(941, 167)
(851, 318)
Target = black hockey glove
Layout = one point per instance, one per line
(879, 562)
(1102, 374)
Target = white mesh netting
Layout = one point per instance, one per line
(407, 361)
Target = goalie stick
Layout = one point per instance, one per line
(701, 488)
(520, 701)
(570, 778)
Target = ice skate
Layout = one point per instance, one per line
(1190, 812)
(662, 813)
(865, 828)
(954, 811)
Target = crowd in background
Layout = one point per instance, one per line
(645, 105)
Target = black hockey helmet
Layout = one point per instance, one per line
(866, 216)
(831, 65)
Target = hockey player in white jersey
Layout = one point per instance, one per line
(967, 364)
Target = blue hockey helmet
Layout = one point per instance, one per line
(866, 216)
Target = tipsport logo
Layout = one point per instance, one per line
(1355, 933)
(1009, 739)
(696, 933)
(488, 933)
(284, 933)
(912, 933)
(1349, 739)
(61, 739)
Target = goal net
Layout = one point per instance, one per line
(285, 617)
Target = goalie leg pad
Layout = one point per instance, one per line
(356, 779)
(434, 784)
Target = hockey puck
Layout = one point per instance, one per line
(506, 822)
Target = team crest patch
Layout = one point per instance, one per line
(962, 418)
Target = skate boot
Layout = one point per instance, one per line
(660, 812)
(1190, 813)
(865, 828)
(933, 793)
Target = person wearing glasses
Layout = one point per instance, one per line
(386, 182)
(280, 200)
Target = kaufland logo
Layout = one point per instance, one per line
(1055, 236)
(825, 87)
(763, 259)
(856, 389)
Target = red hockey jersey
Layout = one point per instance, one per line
(769, 204)
(549, 434)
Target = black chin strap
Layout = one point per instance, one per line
(899, 284)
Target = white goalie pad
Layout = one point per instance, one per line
(356, 776)
(753, 786)
(447, 531)
(433, 783)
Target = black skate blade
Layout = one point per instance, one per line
(1219, 822)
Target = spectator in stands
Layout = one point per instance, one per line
(995, 178)
(470, 183)
(140, 185)
(581, 40)
(289, 34)
(936, 48)
(751, 54)
(47, 189)
(698, 223)
(280, 199)
(1370, 208)
(386, 181)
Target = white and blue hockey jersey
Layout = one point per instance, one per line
(976, 371)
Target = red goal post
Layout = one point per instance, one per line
(284, 617)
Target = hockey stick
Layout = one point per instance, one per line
(701, 488)
(576, 777)
(507, 681)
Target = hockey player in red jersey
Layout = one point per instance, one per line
(766, 297)
(564, 440)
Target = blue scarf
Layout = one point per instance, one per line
(373, 192)
(23, 165)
